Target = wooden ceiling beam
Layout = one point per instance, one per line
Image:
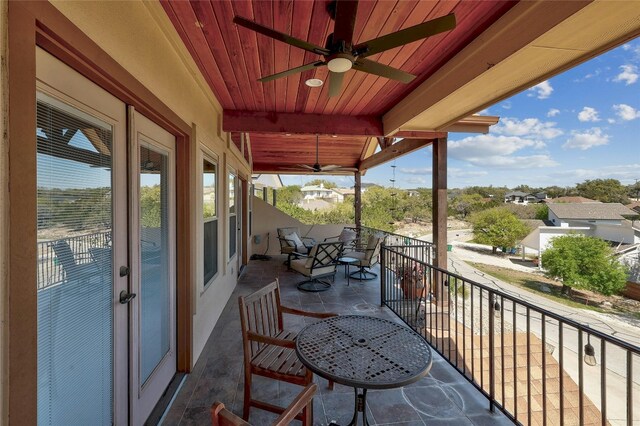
(291, 170)
(396, 150)
(515, 30)
(300, 123)
(419, 134)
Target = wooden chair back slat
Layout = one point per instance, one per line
(261, 314)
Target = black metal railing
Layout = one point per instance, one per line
(51, 270)
(412, 247)
(534, 365)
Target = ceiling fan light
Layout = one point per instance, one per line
(314, 82)
(340, 64)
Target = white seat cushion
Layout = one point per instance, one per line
(293, 239)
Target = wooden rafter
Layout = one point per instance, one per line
(398, 149)
(300, 123)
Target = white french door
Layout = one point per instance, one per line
(106, 232)
(152, 220)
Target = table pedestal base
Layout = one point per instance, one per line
(360, 406)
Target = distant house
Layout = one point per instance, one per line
(607, 221)
(570, 200)
(266, 181)
(364, 186)
(316, 192)
(524, 198)
(589, 214)
(413, 192)
(635, 206)
(345, 191)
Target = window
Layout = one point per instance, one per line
(210, 220)
(232, 215)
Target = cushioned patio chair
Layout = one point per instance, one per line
(75, 268)
(269, 348)
(348, 237)
(291, 243)
(220, 416)
(367, 257)
(321, 262)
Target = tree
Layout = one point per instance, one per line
(327, 184)
(464, 204)
(605, 190)
(584, 262)
(497, 227)
(289, 194)
(418, 207)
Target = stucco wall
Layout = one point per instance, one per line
(267, 219)
(547, 233)
(4, 234)
(619, 233)
(139, 36)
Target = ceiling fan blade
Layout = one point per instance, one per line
(306, 166)
(408, 35)
(377, 68)
(335, 83)
(346, 11)
(330, 167)
(285, 38)
(291, 71)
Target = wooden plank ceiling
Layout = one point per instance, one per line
(281, 153)
(232, 58)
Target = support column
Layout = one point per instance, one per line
(357, 200)
(439, 174)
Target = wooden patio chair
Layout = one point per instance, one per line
(269, 349)
(220, 416)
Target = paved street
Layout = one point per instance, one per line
(626, 329)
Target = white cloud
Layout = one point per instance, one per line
(529, 127)
(625, 173)
(416, 180)
(553, 112)
(587, 139)
(496, 151)
(611, 120)
(542, 90)
(416, 171)
(588, 114)
(461, 173)
(626, 112)
(628, 75)
(506, 105)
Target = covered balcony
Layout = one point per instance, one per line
(141, 123)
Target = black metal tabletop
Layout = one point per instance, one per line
(364, 352)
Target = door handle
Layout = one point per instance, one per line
(126, 297)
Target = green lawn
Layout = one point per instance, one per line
(533, 282)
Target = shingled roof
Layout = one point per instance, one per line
(592, 211)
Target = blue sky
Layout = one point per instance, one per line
(582, 124)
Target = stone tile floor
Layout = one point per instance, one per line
(443, 397)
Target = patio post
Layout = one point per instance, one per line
(439, 193)
(357, 200)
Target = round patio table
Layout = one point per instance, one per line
(365, 353)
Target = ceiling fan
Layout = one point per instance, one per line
(341, 55)
(317, 168)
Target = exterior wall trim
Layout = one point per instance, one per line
(40, 24)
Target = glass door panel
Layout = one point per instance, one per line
(155, 332)
(75, 279)
(153, 341)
